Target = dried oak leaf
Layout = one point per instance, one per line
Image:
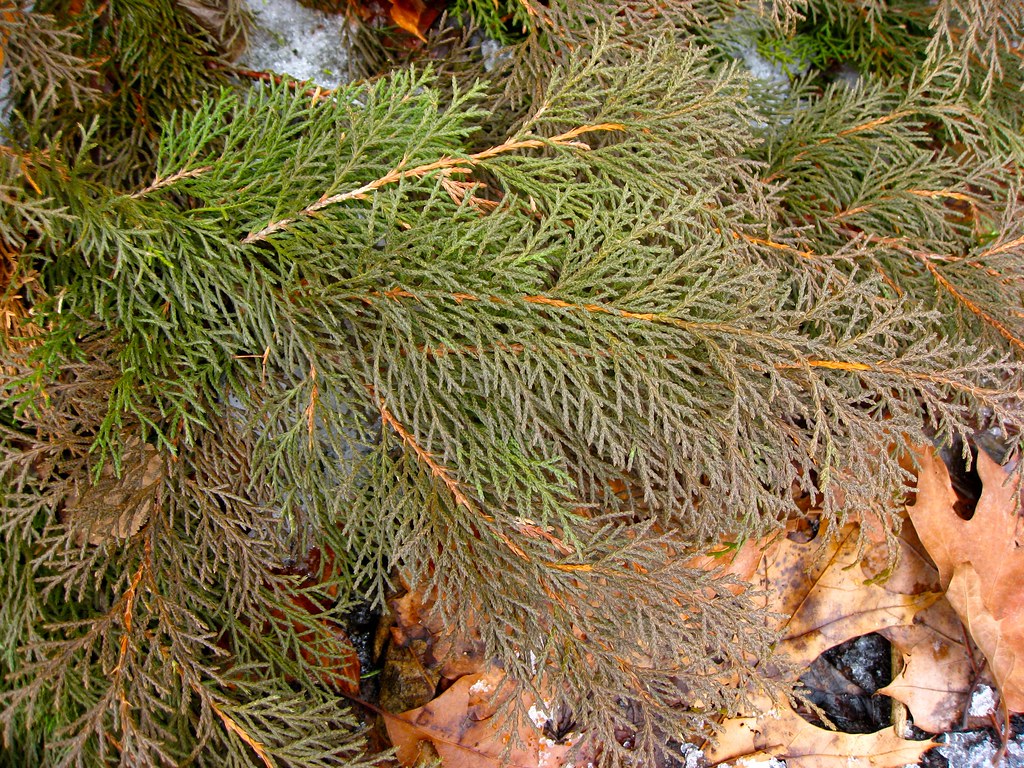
(826, 597)
(445, 651)
(461, 726)
(414, 16)
(938, 668)
(781, 732)
(980, 563)
(937, 677)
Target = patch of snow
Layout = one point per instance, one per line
(768, 72)
(753, 762)
(539, 717)
(983, 702)
(483, 685)
(693, 756)
(860, 660)
(977, 749)
(548, 755)
(494, 54)
(750, 762)
(291, 39)
(5, 92)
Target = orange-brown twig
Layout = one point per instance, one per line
(445, 164)
(159, 183)
(893, 370)
(1000, 328)
(235, 728)
(436, 469)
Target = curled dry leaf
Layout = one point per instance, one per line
(422, 652)
(781, 732)
(937, 671)
(461, 726)
(980, 563)
(826, 597)
(414, 16)
(418, 626)
(937, 676)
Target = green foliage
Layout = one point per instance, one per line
(632, 305)
(134, 84)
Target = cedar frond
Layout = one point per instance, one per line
(533, 345)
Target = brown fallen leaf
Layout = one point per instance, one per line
(980, 563)
(462, 728)
(418, 626)
(826, 597)
(414, 16)
(937, 671)
(999, 634)
(937, 676)
(779, 731)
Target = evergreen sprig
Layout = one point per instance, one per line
(536, 373)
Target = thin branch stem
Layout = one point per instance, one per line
(445, 164)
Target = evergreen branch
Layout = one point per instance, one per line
(453, 486)
(447, 164)
(310, 410)
(972, 306)
(315, 93)
(1004, 247)
(129, 611)
(589, 308)
(868, 125)
(922, 193)
(956, 384)
(235, 728)
(438, 471)
(620, 360)
(784, 247)
(160, 183)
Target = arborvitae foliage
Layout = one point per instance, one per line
(534, 373)
(139, 60)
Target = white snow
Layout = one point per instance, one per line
(749, 762)
(768, 72)
(693, 756)
(548, 755)
(976, 749)
(753, 762)
(291, 39)
(5, 89)
(538, 716)
(481, 686)
(494, 54)
(983, 702)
